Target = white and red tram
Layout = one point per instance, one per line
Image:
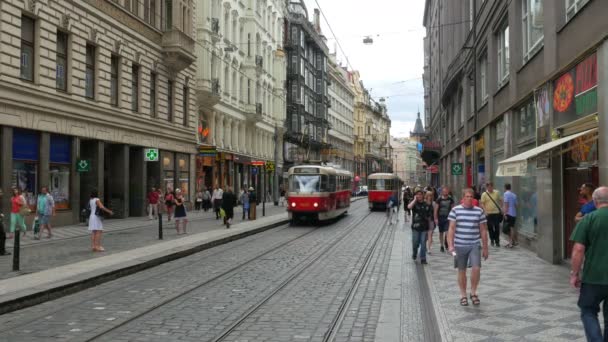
(380, 187)
(318, 192)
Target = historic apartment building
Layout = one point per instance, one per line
(86, 87)
(407, 163)
(240, 92)
(341, 116)
(511, 90)
(307, 121)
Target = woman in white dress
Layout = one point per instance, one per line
(95, 222)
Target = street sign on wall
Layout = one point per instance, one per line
(456, 169)
(83, 165)
(151, 154)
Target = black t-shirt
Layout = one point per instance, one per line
(421, 213)
(445, 205)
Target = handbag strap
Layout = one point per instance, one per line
(496, 204)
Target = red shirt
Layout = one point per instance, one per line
(15, 204)
(153, 197)
(475, 202)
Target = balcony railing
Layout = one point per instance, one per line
(259, 62)
(215, 86)
(258, 109)
(215, 25)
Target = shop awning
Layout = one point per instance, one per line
(518, 165)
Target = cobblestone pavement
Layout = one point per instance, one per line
(523, 298)
(200, 313)
(71, 243)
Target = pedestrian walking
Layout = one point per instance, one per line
(590, 239)
(467, 235)
(282, 197)
(95, 220)
(206, 200)
(45, 208)
(491, 203)
(421, 213)
(407, 198)
(2, 232)
(445, 203)
(429, 198)
(586, 192)
(216, 198)
(198, 202)
(228, 204)
(19, 209)
(169, 203)
(180, 212)
(244, 199)
(392, 206)
(253, 202)
(510, 211)
(153, 199)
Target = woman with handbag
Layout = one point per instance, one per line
(491, 204)
(19, 209)
(180, 212)
(95, 221)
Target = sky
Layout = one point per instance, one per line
(392, 66)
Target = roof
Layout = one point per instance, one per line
(418, 129)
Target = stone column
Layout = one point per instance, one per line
(123, 177)
(98, 167)
(227, 134)
(602, 106)
(45, 156)
(220, 130)
(75, 180)
(212, 128)
(138, 186)
(235, 136)
(255, 143)
(6, 172)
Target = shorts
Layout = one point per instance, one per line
(444, 225)
(467, 255)
(43, 219)
(510, 221)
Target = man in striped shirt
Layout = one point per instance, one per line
(467, 234)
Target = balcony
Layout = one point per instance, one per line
(208, 92)
(259, 63)
(215, 30)
(178, 50)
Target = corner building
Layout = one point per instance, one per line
(96, 82)
(516, 93)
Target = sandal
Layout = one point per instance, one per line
(464, 301)
(475, 299)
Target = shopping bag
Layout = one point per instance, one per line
(222, 213)
(36, 226)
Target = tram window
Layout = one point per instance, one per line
(332, 184)
(324, 184)
(304, 183)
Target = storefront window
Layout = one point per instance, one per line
(25, 164)
(183, 165)
(59, 171)
(527, 194)
(168, 170)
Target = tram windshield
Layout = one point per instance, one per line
(380, 184)
(307, 183)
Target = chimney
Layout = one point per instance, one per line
(317, 20)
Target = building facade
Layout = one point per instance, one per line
(86, 88)
(239, 86)
(360, 109)
(307, 121)
(407, 163)
(378, 151)
(341, 117)
(514, 93)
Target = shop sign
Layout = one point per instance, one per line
(434, 146)
(467, 150)
(575, 92)
(207, 151)
(258, 163)
(480, 144)
(543, 161)
(456, 169)
(433, 169)
(151, 154)
(83, 165)
(270, 166)
(254, 171)
(228, 156)
(543, 105)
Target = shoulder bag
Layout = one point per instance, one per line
(497, 206)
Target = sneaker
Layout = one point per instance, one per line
(492, 243)
(423, 261)
(414, 257)
(497, 244)
(442, 249)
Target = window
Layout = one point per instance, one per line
(59, 170)
(185, 105)
(152, 18)
(89, 86)
(503, 55)
(532, 19)
(573, 6)
(61, 61)
(170, 101)
(135, 87)
(527, 121)
(153, 94)
(28, 26)
(462, 103)
(114, 69)
(483, 77)
(168, 15)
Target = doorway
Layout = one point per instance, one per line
(573, 179)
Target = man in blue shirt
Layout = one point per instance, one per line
(586, 191)
(510, 211)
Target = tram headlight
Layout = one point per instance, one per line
(316, 205)
(293, 204)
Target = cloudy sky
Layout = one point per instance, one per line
(392, 66)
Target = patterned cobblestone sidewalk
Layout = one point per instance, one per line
(523, 298)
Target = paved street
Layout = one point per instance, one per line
(351, 280)
(72, 243)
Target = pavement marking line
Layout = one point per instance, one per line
(389, 321)
(431, 327)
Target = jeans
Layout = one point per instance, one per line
(589, 302)
(152, 211)
(494, 227)
(419, 240)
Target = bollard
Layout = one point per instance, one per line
(160, 226)
(16, 250)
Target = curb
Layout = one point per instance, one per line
(45, 295)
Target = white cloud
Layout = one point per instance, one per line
(402, 129)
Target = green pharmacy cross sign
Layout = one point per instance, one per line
(83, 165)
(151, 154)
(456, 169)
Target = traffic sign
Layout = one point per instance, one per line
(151, 154)
(270, 166)
(456, 169)
(83, 165)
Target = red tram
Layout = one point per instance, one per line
(318, 192)
(380, 187)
